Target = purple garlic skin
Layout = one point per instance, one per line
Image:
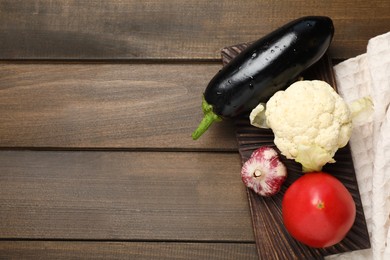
(263, 172)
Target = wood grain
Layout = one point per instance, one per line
(185, 196)
(101, 106)
(171, 29)
(125, 250)
(146, 191)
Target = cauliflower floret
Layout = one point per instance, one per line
(310, 122)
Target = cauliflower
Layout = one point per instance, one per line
(310, 122)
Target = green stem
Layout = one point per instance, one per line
(206, 122)
(209, 118)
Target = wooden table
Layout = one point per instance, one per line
(98, 100)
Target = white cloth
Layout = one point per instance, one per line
(369, 74)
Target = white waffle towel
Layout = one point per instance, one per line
(369, 74)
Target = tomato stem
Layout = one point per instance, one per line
(320, 204)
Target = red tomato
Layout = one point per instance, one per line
(318, 210)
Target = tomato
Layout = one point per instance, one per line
(318, 210)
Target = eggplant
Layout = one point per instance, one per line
(266, 66)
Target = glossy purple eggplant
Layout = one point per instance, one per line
(268, 65)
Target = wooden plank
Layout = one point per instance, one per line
(123, 196)
(125, 250)
(98, 105)
(171, 29)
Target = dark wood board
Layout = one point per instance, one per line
(272, 239)
(100, 105)
(170, 29)
(125, 250)
(126, 196)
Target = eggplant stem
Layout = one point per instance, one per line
(209, 118)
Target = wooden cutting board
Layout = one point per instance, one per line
(272, 239)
